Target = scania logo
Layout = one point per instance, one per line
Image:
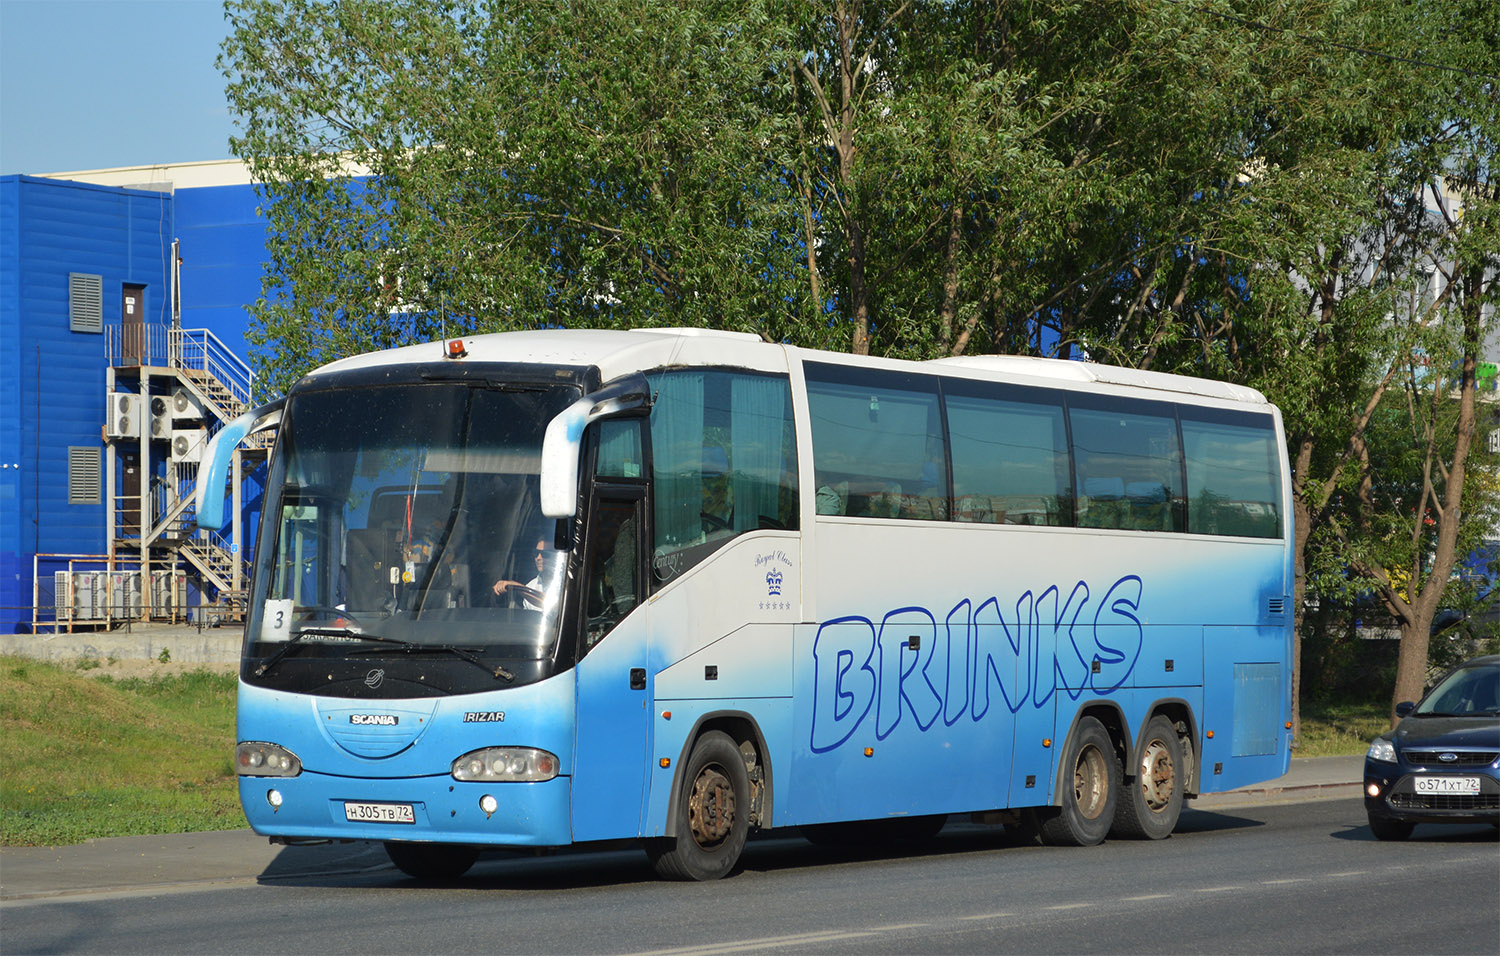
(374, 720)
(1447, 757)
(375, 678)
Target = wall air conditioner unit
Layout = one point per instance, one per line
(188, 444)
(185, 405)
(168, 592)
(124, 596)
(90, 595)
(161, 417)
(124, 418)
(62, 596)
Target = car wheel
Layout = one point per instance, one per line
(1387, 829)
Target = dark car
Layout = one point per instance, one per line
(1442, 762)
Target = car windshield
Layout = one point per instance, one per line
(1471, 690)
(406, 518)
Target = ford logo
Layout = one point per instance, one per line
(1447, 757)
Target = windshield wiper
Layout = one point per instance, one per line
(411, 647)
(286, 648)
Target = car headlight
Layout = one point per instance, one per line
(1382, 749)
(506, 765)
(253, 758)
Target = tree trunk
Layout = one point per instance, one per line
(1301, 530)
(1411, 660)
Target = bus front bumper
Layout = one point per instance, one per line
(316, 806)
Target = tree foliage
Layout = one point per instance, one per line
(1261, 190)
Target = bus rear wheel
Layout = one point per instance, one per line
(1090, 788)
(1150, 804)
(712, 814)
(432, 861)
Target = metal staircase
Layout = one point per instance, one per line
(203, 382)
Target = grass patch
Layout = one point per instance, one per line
(87, 756)
(1343, 729)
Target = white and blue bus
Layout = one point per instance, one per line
(538, 589)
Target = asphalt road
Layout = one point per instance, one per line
(1280, 877)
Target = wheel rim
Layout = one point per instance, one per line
(1158, 776)
(1090, 782)
(711, 807)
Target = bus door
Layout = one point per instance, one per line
(611, 747)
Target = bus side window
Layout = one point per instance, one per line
(723, 462)
(878, 449)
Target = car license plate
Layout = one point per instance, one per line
(1458, 785)
(379, 812)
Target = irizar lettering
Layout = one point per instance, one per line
(913, 670)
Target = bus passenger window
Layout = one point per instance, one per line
(723, 462)
(1128, 463)
(878, 447)
(1010, 454)
(1232, 480)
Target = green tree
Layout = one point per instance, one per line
(432, 166)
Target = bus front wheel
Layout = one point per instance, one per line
(432, 861)
(1089, 790)
(712, 814)
(1149, 805)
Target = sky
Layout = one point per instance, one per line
(94, 84)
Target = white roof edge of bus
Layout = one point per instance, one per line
(618, 352)
(615, 352)
(704, 333)
(1071, 371)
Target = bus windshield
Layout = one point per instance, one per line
(403, 521)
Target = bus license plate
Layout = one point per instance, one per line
(1458, 785)
(379, 812)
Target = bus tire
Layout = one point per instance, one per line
(432, 861)
(1091, 782)
(1150, 804)
(712, 818)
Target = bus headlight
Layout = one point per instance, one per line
(253, 758)
(506, 765)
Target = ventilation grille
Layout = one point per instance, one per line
(85, 302)
(1458, 758)
(1276, 605)
(1445, 801)
(83, 475)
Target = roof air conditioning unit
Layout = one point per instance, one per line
(188, 444)
(161, 417)
(185, 405)
(124, 419)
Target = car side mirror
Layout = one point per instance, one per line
(1405, 708)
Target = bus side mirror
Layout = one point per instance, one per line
(562, 443)
(209, 498)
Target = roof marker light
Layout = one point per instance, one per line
(456, 349)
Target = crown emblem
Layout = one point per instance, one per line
(773, 583)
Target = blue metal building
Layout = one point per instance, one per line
(116, 304)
